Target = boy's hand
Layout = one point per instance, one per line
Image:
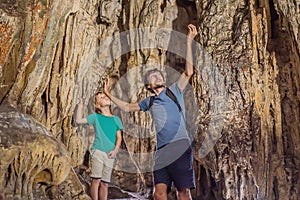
(192, 31)
(112, 154)
(80, 102)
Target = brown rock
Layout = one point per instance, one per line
(245, 114)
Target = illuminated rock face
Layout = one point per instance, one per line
(32, 159)
(245, 115)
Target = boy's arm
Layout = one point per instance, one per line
(127, 107)
(79, 119)
(114, 152)
(189, 68)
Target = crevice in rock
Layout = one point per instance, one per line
(238, 181)
(63, 45)
(163, 6)
(45, 102)
(274, 138)
(185, 3)
(257, 4)
(124, 43)
(44, 177)
(275, 189)
(207, 184)
(101, 18)
(274, 20)
(9, 175)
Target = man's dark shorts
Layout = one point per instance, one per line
(174, 164)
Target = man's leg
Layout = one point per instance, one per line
(182, 173)
(160, 191)
(94, 188)
(184, 194)
(103, 191)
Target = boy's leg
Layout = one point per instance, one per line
(160, 191)
(96, 172)
(106, 176)
(107, 169)
(103, 191)
(95, 188)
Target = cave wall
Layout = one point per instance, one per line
(246, 84)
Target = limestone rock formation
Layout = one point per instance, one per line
(242, 103)
(32, 160)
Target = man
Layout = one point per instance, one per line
(173, 157)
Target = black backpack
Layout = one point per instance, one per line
(171, 95)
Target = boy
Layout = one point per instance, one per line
(106, 143)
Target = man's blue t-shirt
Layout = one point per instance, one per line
(168, 120)
(106, 128)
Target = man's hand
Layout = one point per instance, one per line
(107, 86)
(189, 68)
(192, 31)
(121, 104)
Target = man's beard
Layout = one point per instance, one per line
(155, 87)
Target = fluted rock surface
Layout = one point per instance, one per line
(243, 106)
(32, 159)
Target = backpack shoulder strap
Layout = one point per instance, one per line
(151, 102)
(173, 97)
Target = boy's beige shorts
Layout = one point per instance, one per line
(101, 165)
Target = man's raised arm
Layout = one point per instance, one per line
(189, 68)
(127, 107)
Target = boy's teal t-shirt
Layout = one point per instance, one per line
(106, 128)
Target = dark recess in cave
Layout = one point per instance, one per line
(274, 20)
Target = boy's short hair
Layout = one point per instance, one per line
(151, 71)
